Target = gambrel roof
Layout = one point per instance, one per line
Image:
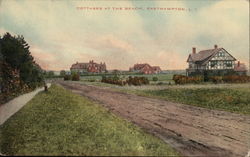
(205, 55)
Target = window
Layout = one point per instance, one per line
(213, 63)
(221, 54)
(228, 63)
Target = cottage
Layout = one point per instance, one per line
(216, 61)
(90, 67)
(145, 69)
(240, 68)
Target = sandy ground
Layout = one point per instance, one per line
(193, 131)
(11, 107)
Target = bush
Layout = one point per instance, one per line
(137, 81)
(236, 79)
(160, 83)
(114, 80)
(216, 79)
(67, 77)
(181, 79)
(75, 77)
(155, 78)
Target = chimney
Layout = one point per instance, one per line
(215, 46)
(238, 63)
(194, 50)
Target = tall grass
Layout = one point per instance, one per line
(228, 99)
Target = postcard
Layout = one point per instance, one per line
(124, 78)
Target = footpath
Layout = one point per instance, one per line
(10, 108)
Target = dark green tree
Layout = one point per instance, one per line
(50, 74)
(16, 54)
(62, 72)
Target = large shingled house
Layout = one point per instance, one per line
(145, 69)
(216, 61)
(90, 67)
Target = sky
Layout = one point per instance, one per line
(60, 34)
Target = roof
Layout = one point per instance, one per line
(140, 66)
(79, 66)
(241, 67)
(205, 55)
(156, 67)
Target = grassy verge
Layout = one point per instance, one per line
(228, 99)
(61, 123)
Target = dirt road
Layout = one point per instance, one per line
(193, 131)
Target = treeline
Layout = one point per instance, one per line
(19, 72)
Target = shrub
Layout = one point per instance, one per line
(75, 77)
(181, 79)
(113, 80)
(137, 81)
(160, 83)
(67, 77)
(236, 79)
(155, 78)
(216, 79)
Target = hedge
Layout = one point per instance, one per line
(136, 81)
(181, 79)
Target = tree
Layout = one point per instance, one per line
(50, 74)
(15, 55)
(1, 67)
(62, 72)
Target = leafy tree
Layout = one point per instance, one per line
(1, 67)
(62, 72)
(17, 62)
(155, 79)
(51, 74)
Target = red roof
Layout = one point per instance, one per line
(156, 68)
(240, 67)
(79, 66)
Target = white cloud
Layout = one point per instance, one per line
(65, 35)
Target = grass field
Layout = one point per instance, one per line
(59, 122)
(228, 99)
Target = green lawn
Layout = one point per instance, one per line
(228, 99)
(62, 123)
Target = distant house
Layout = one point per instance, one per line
(90, 67)
(216, 61)
(240, 68)
(145, 69)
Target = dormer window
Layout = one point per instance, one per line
(221, 54)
